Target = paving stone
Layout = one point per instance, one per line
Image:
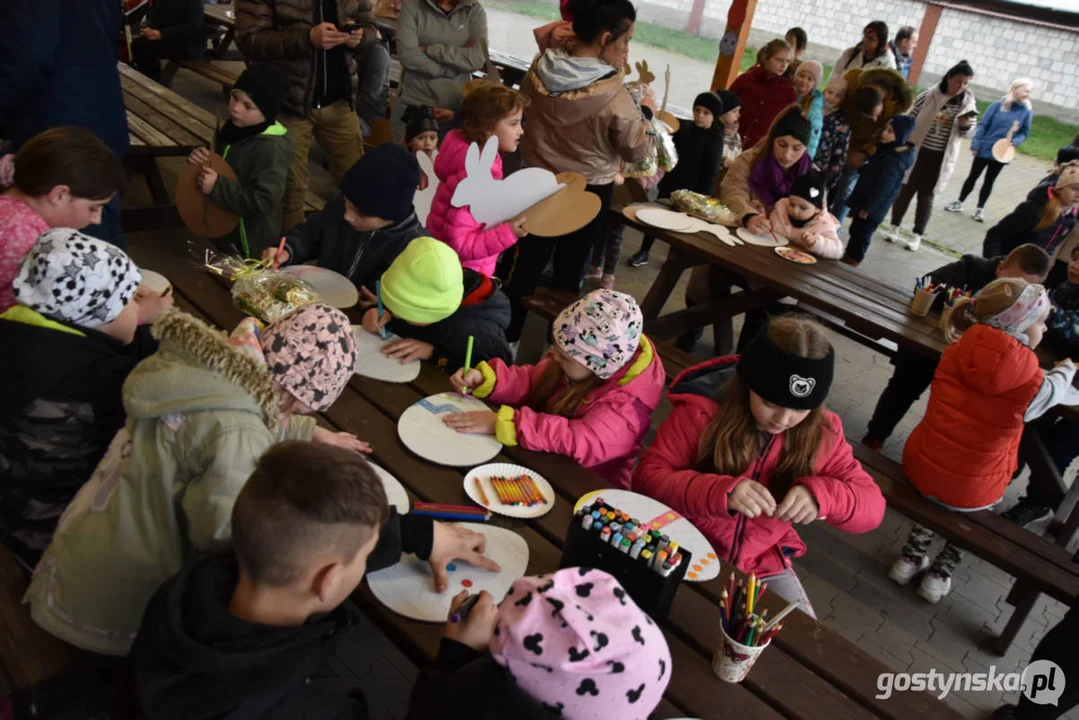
(894, 640)
(982, 591)
(895, 663)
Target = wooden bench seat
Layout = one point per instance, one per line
(205, 68)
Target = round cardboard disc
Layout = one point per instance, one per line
(569, 209)
(335, 289)
(666, 220)
(422, 431)
(762, 240)
(1003, 151)
(154, 280)
(630, 211)
(669, 120)
(202, 217)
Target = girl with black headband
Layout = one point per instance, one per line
(749, 451)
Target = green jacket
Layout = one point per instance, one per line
(199, 415)
(261, 165)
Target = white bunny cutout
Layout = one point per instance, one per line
(423, 199)
(493, 202)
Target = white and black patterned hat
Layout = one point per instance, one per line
(76, 278)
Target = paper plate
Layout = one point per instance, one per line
(1003, 151)
(422, 431)
(630, 211)
(796, 256)
(484, 475)
(202, 217)
(568, 210)
(665, 219)
(370, 362)
(395, 491)
(408, 588)
(653, 513)
(335, 289)
(762, 240)
(154, 280)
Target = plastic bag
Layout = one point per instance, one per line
(259, 291)
(702, 206)
(666, 153)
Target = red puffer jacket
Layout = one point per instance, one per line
(848, 497)
(763, 95)
(965, 450)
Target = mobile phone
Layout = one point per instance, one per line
(352, 27)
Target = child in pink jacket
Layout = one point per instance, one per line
(489, 110)
(749, 452)
(592, 398)
(802, 219)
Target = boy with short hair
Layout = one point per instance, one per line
(913, 372)
(434, 305)
(248, 632)
(367, 224)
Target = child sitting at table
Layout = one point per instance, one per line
(435, 305)
(200, 412)
(591, 398)
(878, 185)
(76, 335)
(964, 452)
(801, 218)
(63, 178)
(366, 225)
(259, 150)
(913, 371)
(488, 110)
(749, 451)
(597, 654)
(250, 631)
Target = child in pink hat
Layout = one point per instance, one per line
(590, 398)
(572, 644)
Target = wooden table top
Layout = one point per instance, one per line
(160, 122)
(809, 672)
(222, 15)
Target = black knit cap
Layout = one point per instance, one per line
(710, 102)
(730, 100)
(810, 187)
(266, 84)
(783, 379)
(795, 124)
(419, 120)
(383, 182)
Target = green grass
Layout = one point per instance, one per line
(1046, 137)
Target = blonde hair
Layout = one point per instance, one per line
(771, 48)
(993, 299)
(730, 443)
(1009, 97)
(547, 386)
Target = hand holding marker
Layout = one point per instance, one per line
(378, 294)
(468, 363)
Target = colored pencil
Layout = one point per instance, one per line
(468, 362)
(782, 614)
(440, 515)
(449, 508)
(483, 495)
(277, 255)
(378, 296)
(167, 291)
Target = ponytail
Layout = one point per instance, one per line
(993, 299)
(1051, 211)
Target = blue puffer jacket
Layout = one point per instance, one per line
(815, 115)
(995, 124)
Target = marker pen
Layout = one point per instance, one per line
(616, 539)
(625, 545)
(605, 534)
(586, 522)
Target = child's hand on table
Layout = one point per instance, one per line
(372, 323)
(344, 440)
(270, 254)
(151, 304)
(474, 631)
(206, 180)
(198, 156)
(810, 239)
(477, 422)
(759, 225)
(452, 542)
(470, 380)
(799, 506)
(751, 499)
(404, 349)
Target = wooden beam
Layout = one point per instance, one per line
(925, 38)
(739, 22)
(696, 15)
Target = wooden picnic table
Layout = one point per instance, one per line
(220, 21)
(809, 672)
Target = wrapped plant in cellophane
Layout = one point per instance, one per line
(702, 206)
(259, 290)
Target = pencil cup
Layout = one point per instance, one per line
(733, 660)
(922, 301)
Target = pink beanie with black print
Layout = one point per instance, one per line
(311, 353)
(601, 331)
(577, 643)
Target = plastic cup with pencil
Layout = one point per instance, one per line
(745, 632)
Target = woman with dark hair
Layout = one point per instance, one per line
(944, 115)
(871, 52)
(903, 49)
(581, 118)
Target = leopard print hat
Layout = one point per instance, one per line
(311, 353)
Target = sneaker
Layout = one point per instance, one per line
(954, 207)
(890, 232)
(906, 567)
(934, 586)
(914, 243)
(607, 281)
(594, 273)
(638, 259)
(873, 444)
(1024, 514)
(979, 215)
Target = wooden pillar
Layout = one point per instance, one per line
(733, 43)
(925, 38)
(696, 15)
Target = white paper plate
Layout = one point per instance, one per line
(422, 431)
(154, 280)
(408, 588)
(395, 491)
(484, 472)
(335, 289)
(665, 219)
(705, 565)
(370, 362)
(762, 240)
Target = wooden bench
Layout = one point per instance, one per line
(205, 68)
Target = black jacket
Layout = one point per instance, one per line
(969, 271)
(361, 257)
(180, 23)
(61, 403)
(700, 156)
(1017, 228)
(484, 314)
(194, 660)
(880, 180)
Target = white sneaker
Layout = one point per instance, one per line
(954, 207)
(891, 232)
(905, 568)
(934, 587)
(979, 215)
(914, 243)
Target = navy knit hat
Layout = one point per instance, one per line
(730, 100)
(383, 182)
(266, 84)
(710, 102)
(902, 126)
(419, 120)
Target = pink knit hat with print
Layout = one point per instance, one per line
(311, 353)
(577, 643)
(601, 331)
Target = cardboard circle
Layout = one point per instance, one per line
(335, 289)
(200, 215)
(154, 280)
(395, 491)
(666, 220)
(569, 209)
(630, 211)
(1003, 151)
(484, 472)
(370, 362)
(762, 240)
(669, 120)
(422, 431)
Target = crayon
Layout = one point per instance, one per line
(482, 494)
(449, 508)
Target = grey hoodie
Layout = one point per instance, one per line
(561, 72)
